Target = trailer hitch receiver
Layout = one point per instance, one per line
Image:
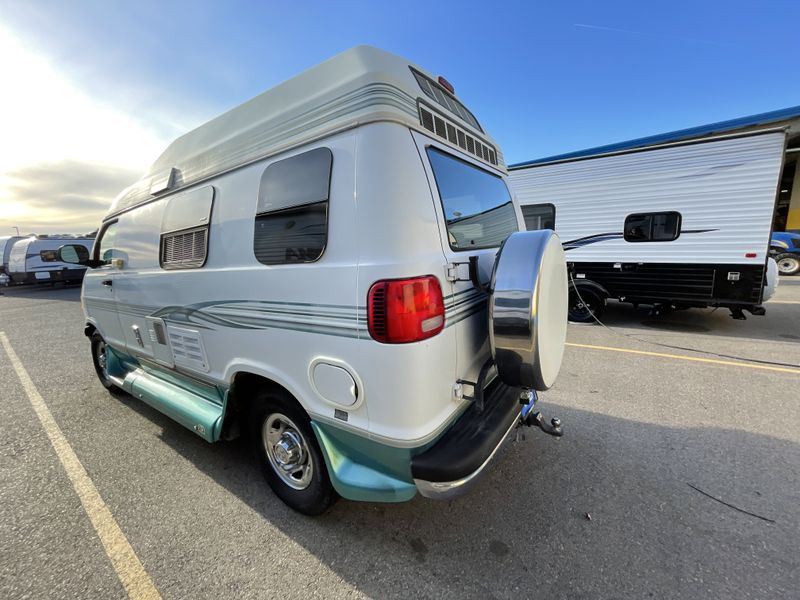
(529, 418)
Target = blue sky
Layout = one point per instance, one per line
(543, 79)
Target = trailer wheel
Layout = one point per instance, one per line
(288, 453)
(788, 264)
(582, 308)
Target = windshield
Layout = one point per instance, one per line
(477, 205)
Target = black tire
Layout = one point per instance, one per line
(307, 491)
(583, 306)
(788, 263)
(99, 358)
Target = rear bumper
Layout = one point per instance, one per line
(451, 466)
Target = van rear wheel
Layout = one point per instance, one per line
(289, 455)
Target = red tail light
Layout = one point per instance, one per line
(405, 310)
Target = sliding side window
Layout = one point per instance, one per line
(291, 223)
(184, 229)
(539, 216)
(653, 227)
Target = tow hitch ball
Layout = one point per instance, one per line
(529, 418)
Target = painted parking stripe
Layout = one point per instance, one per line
(715, 361)
(131, 573)
(783, 301)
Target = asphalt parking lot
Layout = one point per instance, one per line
(643, 497)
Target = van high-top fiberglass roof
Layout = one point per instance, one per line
(361, 85)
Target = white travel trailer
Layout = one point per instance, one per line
(6, 243)
(35, 260)
(319, 269)
(678, 225)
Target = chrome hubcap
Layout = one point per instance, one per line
(287, 451)
(102, 358)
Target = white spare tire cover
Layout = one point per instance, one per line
(528, 309)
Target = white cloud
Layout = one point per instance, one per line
(47, 119)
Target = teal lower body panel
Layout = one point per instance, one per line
(197, 406)
(364, 470)
(188, 409)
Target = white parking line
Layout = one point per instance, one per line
(131, 573)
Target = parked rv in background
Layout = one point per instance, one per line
(678, 225)
(35, 260)
(6, 243)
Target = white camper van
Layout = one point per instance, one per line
(678, 225)
(35, 260)
(320, 269)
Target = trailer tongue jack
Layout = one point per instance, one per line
(529, 418)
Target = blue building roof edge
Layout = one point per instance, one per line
(673, 136)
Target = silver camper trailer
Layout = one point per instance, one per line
(35, 260)
(6, 243)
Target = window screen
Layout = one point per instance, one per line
(539, 216)
(291, 224)
(652, 227)
(184, 229)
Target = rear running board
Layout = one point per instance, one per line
(187, 408)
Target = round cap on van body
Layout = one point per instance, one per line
(528, 309)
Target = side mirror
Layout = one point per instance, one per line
(76, 254)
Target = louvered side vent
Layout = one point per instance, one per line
(184, 249)
(457, 136)
(187, 348)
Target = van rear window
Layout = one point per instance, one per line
(477, 204)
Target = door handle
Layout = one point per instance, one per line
(107, 282)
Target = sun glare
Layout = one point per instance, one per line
(46, 118)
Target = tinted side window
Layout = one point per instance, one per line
(291, 224)
(652, 227)
(106, 243)
(539, 216)
(48, 255)
(477, 205)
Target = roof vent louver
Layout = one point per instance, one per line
(455, 135)
(445, 99)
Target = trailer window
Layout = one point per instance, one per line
(49, 255)
(539, 216)
(477, 205)
(652, 227)
(291, 224)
